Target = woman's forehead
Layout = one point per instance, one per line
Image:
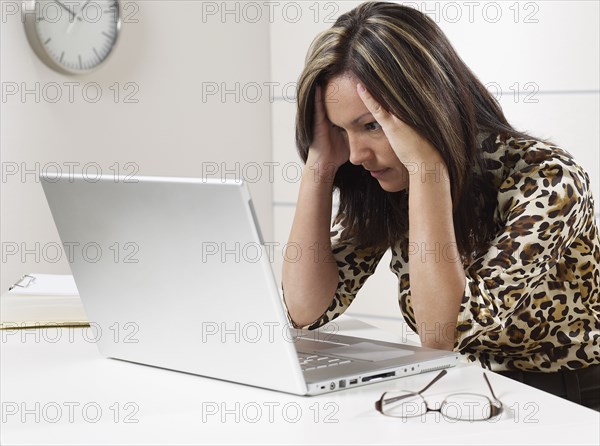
(343, 105)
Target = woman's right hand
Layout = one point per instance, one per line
(328, 149)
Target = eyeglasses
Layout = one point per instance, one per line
(458, 406)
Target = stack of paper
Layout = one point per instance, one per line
(40, 300)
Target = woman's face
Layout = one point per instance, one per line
(366, 141)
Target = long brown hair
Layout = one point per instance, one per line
(408, 65)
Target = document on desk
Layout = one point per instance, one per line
(42, 300)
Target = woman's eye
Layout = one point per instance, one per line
(371, 126)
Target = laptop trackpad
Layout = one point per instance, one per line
(367, 351)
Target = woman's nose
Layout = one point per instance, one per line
(359, 151)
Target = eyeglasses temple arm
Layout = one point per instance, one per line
(436, 379)
(495, 410)
(378, 404)
(490, 387)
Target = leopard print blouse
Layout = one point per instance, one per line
(532, 300)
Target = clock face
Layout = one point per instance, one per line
(74, 36)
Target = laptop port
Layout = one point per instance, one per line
(342, 383)
(353, 381)
(380, 376)
(332, 386)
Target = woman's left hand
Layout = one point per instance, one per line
(409, 146)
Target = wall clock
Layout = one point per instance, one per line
(72, 37)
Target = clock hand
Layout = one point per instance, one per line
(82, 8)
(77, 16)
(65, 8)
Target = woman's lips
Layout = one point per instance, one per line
(378, 173)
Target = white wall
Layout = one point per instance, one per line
(169, 55)
(550, 48)
(174, 50)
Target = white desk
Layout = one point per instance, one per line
(64, 392)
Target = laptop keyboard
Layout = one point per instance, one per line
(313, 361)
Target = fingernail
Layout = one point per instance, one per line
(361, 88)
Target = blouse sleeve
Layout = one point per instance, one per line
(542, 208)
(355, 266)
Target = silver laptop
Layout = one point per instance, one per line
(174, 273)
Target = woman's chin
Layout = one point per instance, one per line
(393, 187)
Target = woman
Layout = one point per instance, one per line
(496, 225)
